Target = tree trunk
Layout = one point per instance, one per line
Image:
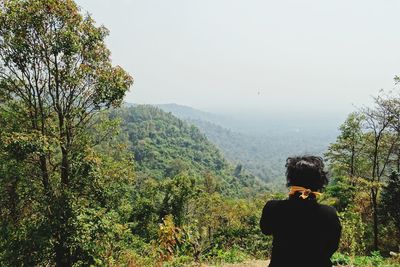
(352, 163)
(64, 166)
(375, 217)
(62, 255)
(374, 194)
(61, 232)
(63, 215)
(398, 160)
(45, 174)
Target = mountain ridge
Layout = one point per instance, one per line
(265, 153)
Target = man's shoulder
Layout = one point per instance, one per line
(328, 210)
(273, 203)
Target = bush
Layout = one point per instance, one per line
(353, 233)
(220, 255)
(375, 260)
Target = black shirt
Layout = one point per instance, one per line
(305, 233)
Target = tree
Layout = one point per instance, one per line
(390, 103)
(380, 146)
(178, 191)
(55, 76)
(345, 152)
(365, 149)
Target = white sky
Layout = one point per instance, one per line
(247, 55)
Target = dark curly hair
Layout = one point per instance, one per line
(306, 171)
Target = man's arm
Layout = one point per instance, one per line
(335, 234)
(267, 218)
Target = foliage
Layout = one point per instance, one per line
(374, 260)
(344, 154)
(58, 192)
(391, 198)
(169, 238)
(362, 158)
(391, 203)
(352, 239)
(341, 192)
(219, 255)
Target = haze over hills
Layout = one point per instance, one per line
(262, 143)
(262, 123)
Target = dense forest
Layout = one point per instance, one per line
(86, 182)
(260, 145)
(164, 146)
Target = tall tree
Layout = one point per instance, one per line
(345, 152)
(365, 149)
(55, 76)
(381, 144)
(390, 103)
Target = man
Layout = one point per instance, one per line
(305, 233)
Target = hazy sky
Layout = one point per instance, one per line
(244, 55)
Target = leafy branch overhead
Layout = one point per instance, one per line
(52, 56)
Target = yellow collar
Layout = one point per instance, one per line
(304, 192)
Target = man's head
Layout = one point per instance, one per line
(306, 171)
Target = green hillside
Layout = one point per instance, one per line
(261, 156)
(165, 146)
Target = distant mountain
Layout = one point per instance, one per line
(244, 150)
(264, 155)
(189, 113)
(164, 146)
(261, 144)
(258, 124)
